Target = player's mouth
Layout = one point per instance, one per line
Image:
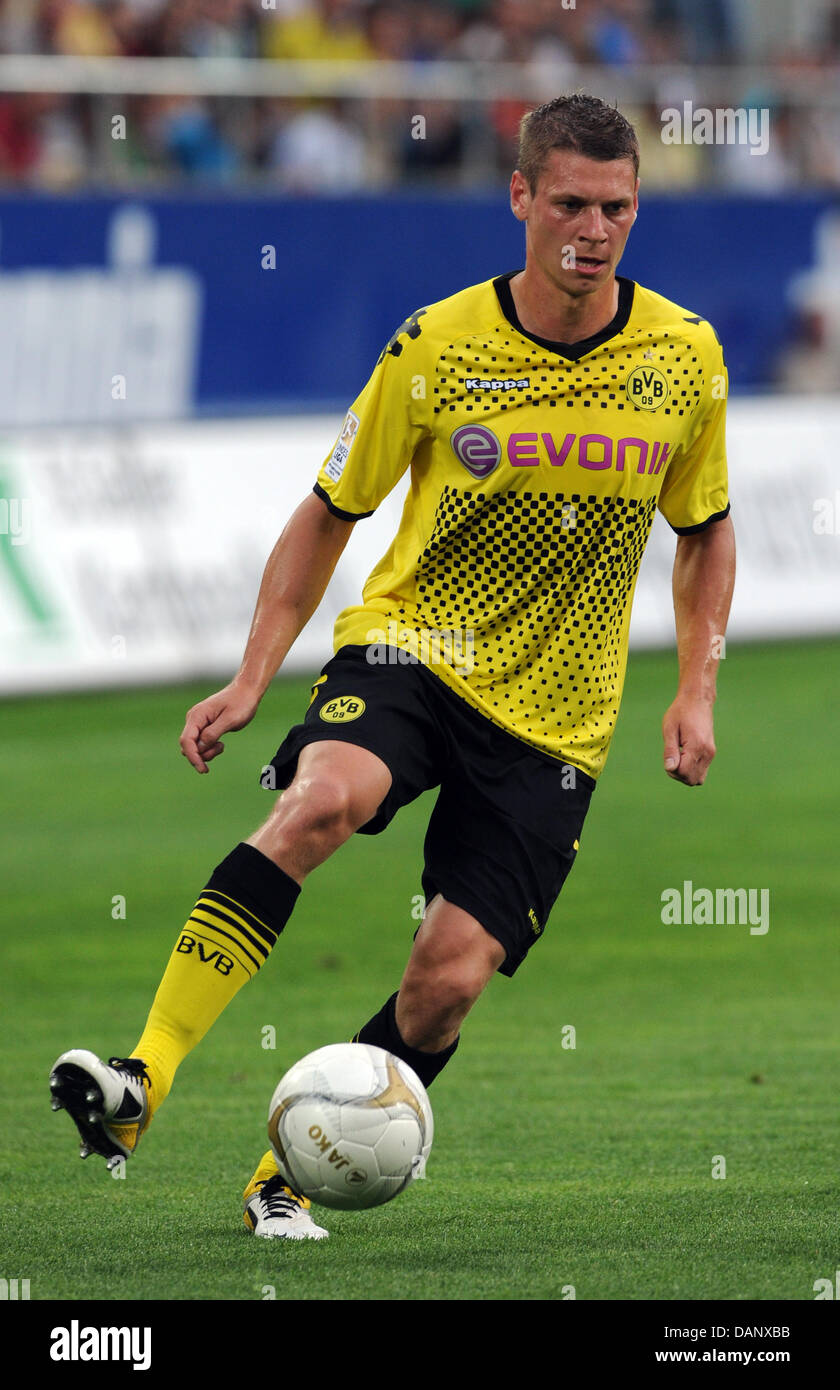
(588, 265)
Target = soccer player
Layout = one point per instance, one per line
(544, 416)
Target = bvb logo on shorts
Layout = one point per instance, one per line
(342, 709)
(646, 388)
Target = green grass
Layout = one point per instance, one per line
(552, 1166)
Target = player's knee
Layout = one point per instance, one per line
(431, 1009)
(441, 991)
(458, 960)
(319, 807)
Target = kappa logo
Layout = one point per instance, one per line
(497, 383)
(342, 709)
(646, 388)
(187, 945)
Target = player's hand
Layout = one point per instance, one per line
(225, 712)
(688, 733)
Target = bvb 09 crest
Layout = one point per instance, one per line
(646, 388)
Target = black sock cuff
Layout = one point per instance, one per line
(258, 884)
(382, 1031)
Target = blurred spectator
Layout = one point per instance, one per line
(219, 29)
(617, 29)
(18, 27)
(314, 29)
(811, 364)
(134, 26)
(41, 140)
(708, 28)
(20, 141)
(436, 28)
(185, 133)
(543, 42)
(736, 166)
(663, 167)
(76, 27)
(433, 148)
(317, 149)
(390, 29)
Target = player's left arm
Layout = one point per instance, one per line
(703, 580)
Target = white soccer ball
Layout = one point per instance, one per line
(350, 1126)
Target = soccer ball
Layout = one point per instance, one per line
(350, 1126)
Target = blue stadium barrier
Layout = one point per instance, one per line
(304, 335)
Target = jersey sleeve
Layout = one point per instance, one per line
(695, 491)
(381, 430)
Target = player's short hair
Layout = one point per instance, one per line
(584, 124)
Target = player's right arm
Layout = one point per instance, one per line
(297, 573)
(373, 450)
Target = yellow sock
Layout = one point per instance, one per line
(220, 948)
(266, 1168)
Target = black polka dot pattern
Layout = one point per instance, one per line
(596, 384)
(543, 582)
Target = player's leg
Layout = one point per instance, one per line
(452, 960)
(500, 843)
(501, 840)
(337, 787)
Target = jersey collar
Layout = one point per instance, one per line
(571, 351)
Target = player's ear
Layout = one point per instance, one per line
(519, 193)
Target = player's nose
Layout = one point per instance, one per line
(593, 226)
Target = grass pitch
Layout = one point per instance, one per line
(554, 1167)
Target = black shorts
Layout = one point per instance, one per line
(505, 828)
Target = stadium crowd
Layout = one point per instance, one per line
(55, 140)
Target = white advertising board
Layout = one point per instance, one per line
(134, 555)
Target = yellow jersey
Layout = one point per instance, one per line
(535, 472)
